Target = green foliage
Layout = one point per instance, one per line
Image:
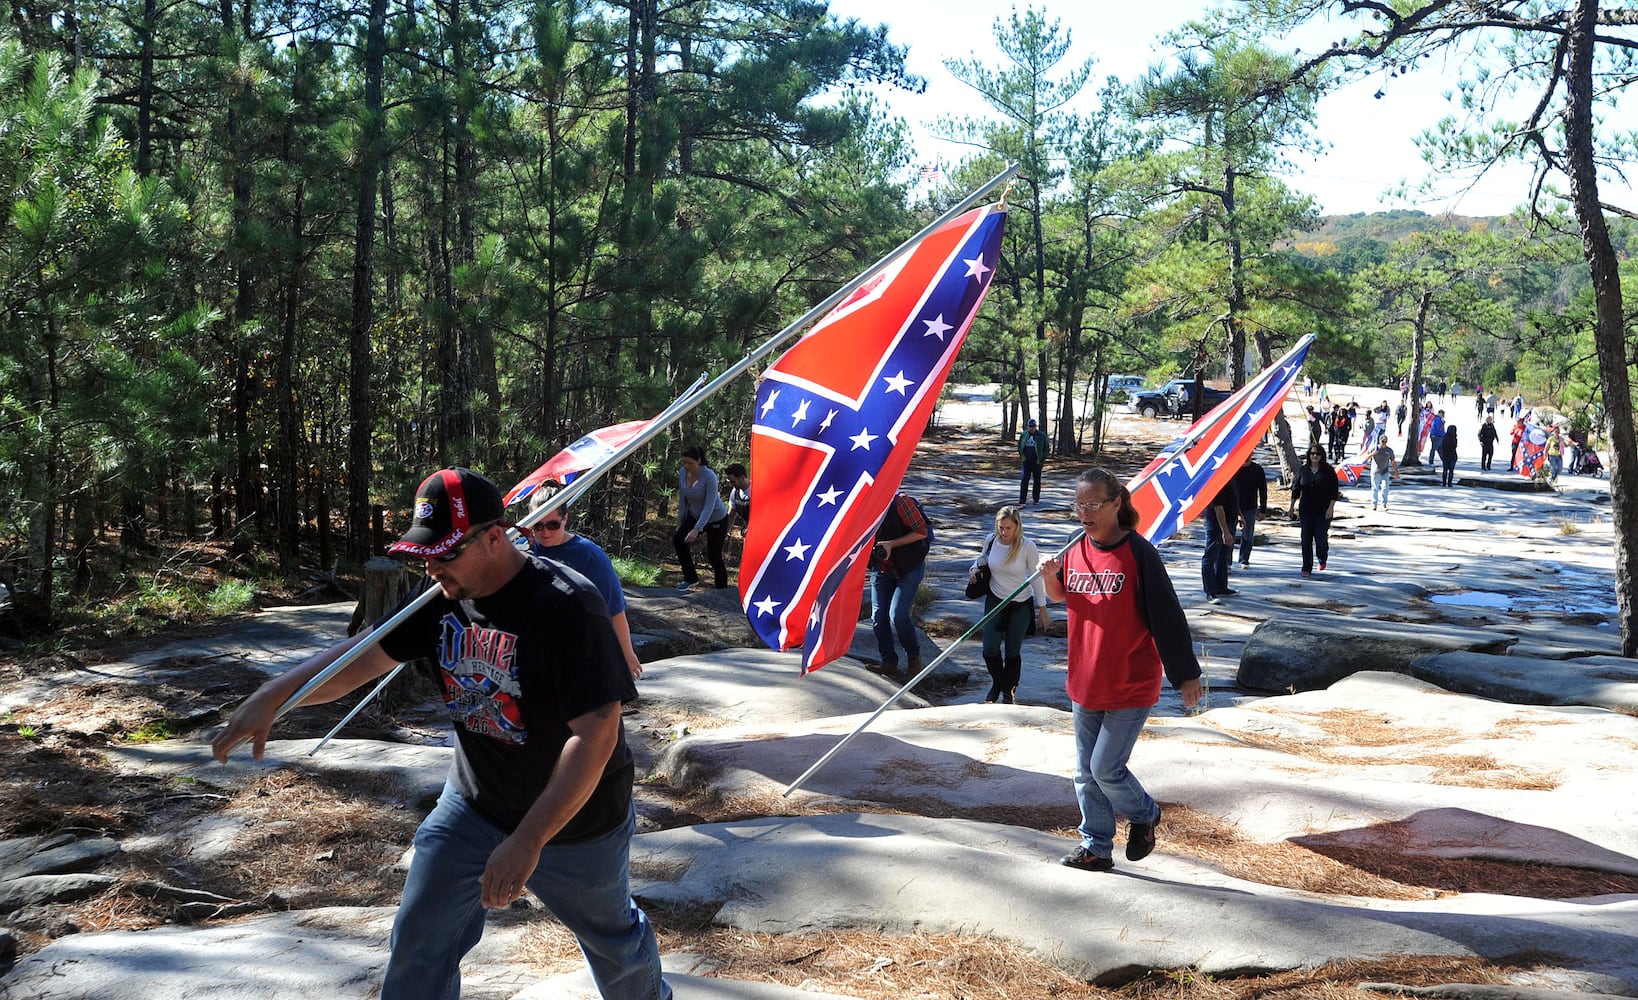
(230, 597)
(152, 731)
(636, 572)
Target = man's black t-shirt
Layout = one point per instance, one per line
(514, 668)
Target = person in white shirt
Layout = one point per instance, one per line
(1011, 559)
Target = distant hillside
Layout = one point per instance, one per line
(1367, 234)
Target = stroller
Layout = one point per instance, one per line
(1590, 465)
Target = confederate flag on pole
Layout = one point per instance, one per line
(1177, 485)
(583, 454)
(838, 417)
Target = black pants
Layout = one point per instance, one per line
(1316, 536)
(716, 534)
(1487, 452)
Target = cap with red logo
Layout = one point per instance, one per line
(448, 504)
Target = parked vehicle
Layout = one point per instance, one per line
(1123, 387)
(1174, 398)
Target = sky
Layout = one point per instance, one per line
(1369, 142)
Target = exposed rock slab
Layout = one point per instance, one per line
(869, 871)
(1311, 651)
(1458, 777)
(416, 771)
(761, 685)
(53, 856)
(30, 889)
(1599, 681)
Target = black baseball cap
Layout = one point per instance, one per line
(448, 505)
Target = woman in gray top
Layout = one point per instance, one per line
(699, 511)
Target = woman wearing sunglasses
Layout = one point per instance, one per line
(551, 538)
(1126, 628)
(1314, 503)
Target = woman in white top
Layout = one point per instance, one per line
(1012, 558)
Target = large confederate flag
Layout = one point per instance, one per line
(837, 418)
(1176, 486)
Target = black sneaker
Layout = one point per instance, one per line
(1140, 838)
(1083, 858)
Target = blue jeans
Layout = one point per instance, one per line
(1214, 562)
(1103, 785)
(1248, 532)
(1379, 485)
(586, 885)
(890, 600)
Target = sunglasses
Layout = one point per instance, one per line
(551, 524)
(460, 546)
(1092, 508)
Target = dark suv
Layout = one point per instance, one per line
(1173, 399)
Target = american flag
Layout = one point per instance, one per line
(929, 171)
(1187, 473)
(1354, 469)
(837, 419)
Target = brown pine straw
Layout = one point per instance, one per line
(876, 966)
(1352, 729)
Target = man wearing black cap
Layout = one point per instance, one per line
(539, 792)
(1032, 450)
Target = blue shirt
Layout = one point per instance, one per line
(587, 558)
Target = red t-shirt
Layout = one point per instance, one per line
(1113, 662)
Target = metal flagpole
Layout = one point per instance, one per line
(1193, 435)
(591, 475)
(678, 410)
(578, 488)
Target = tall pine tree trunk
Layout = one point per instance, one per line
(360, 459)
(1610, 333)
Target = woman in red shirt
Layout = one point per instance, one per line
(1125, 628)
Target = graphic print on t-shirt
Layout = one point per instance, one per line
(481, 680)
(1080, 581)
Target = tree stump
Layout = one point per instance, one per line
(385, 584)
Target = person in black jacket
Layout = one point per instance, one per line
(1313, 503)
(1251, 484)
(1487, 441)
(1447, 455)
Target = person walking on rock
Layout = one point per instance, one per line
(1447, 455)
(1251, 488)
(1435, 436)
(539, 794)
(900, 561)
(1032, 451)
(1487, 441)
(699, 511)
(550, 538)
(1126, 627)
(1222, 510)
(1384, 469)
(1012, 559)
(1313, 504)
